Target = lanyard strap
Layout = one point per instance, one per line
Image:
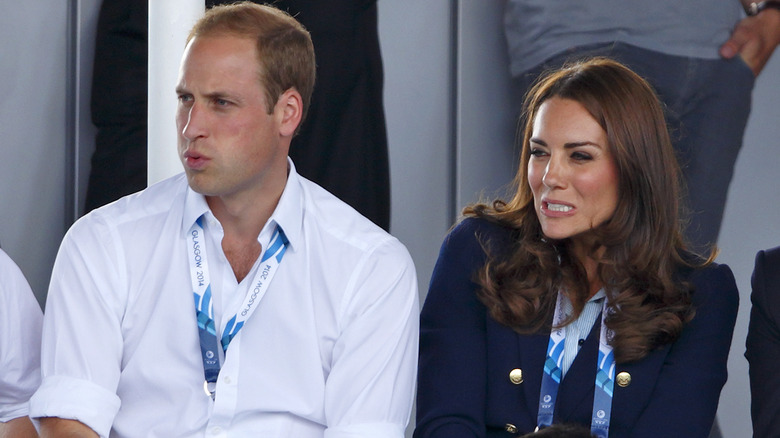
(552, 374)
(605, 383)
(204, 307)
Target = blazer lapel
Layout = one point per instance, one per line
(534, 353)
(575, 395)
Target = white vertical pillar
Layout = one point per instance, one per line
(169, 23)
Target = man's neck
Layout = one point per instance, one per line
(242, 221)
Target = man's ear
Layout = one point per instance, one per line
(289, 108)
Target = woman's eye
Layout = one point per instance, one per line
(581, 156)
(535, 152)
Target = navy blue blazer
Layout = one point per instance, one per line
(464, 388)
(763, 345)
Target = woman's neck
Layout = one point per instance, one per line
(588, 258)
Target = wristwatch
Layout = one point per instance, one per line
(756, 7)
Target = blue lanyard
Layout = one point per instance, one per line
(204, 308)
(551, 377)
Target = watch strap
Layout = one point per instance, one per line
(755, 8)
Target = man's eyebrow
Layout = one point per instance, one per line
(211, 95)
(218, 94)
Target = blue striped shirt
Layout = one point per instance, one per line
(580, 327)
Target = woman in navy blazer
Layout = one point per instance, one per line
(593, 229)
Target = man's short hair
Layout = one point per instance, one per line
(284, 48)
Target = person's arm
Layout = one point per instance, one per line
(82, 342)
(687, 387)
(763, 346)
(20, 347)
(20, 427)
(452, 379)
(369, 390)
(754, 38)
(53, 427)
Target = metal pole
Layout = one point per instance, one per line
(169, 23)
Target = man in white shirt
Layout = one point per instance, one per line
(306, 314)
(20, 346)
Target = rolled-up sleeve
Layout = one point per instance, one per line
(20, 341)
(82, 339)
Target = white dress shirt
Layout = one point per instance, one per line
(331, 350)
(20, 341)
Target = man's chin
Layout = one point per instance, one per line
(196, 183)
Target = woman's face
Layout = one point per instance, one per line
(571, 170)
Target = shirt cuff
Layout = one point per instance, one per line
(76, 399)
(374, 430)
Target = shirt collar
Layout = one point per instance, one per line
(598, 295)
(195, 206)
(288, 213)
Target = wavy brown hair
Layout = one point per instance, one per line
(643, 247)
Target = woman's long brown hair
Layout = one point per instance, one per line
(643, 247)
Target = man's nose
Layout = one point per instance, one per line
(194, 125)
